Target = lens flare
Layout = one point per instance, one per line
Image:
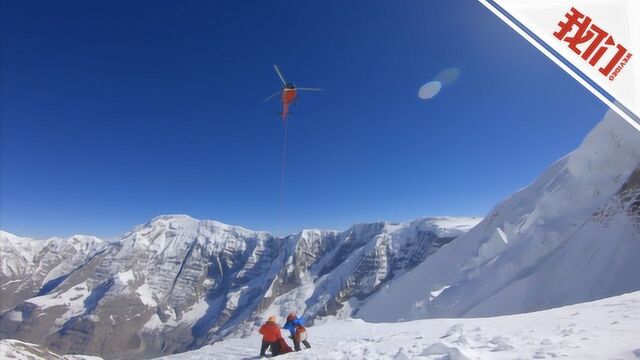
(448, 76)
(429, 90)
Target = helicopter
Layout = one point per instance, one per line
(289, 93)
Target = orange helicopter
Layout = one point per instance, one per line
(289, 94)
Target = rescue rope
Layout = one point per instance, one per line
(283, 171)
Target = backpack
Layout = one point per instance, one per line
(283, 347)
(301, 333)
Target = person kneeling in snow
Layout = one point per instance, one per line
(298, 332)
(272, 338)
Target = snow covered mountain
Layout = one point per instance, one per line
(571, 236)
(29, 267)
(178, 283)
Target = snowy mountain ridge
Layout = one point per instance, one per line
(25, 249)
(571, 236)
(177, 283)
(28, 266)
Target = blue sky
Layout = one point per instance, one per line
(115, 112)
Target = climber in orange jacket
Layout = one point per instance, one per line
(272, 338)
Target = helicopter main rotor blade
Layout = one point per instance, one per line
(284, 82)
(271, 96)
(309, 89)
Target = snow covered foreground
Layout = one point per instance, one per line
(604, 329)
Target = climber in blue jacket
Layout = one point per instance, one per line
(298, 332)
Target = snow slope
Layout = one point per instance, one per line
(604, 329)
(573, 235)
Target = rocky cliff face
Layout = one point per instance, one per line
(177, 283)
